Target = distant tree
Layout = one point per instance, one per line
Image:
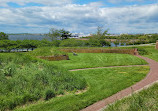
(3, 36)
(98, 39)
(29, 44)
(8, 45)
(64, 34)
(100, 33)
(72, 43)
(116, 43)
(55, 34)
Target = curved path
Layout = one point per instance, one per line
(151, 78)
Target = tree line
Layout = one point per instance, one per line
(60, 38)
(8, 45)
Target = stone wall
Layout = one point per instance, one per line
(157, 44)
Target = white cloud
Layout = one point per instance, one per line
(119, 1)
(44, 2)
(81, 18)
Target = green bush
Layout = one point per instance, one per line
(72, 43)
(142, 51)
(49, 94)
(9, 69)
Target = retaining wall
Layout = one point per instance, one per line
(157, 44)
(55, 58)
(122, 51)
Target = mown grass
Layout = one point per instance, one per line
(102, 83)
(90, 60)
(146, 100)
(26, 79)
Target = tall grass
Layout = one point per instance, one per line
(25, 79)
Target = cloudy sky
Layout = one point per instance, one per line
(38, 16)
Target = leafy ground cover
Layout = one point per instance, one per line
(90, 60)
(26, 79)
(102, 83)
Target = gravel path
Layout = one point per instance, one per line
(151, 78)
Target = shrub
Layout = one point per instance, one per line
(49, 94)
(9, 69)
(142, 51)
(72, 43)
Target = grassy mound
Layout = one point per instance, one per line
(25, 79)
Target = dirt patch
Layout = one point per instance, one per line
(55, 58)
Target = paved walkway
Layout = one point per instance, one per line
(151, 78)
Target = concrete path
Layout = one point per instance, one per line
(151, 78)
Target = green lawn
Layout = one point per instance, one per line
(153, 53)
(33, 79)
(146, 100)
(89, 60)
(102, 83)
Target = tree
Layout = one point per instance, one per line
(64, 34)
(8, 45)
(100, 33)
(55, 34)
(98, 39)
(3, 36)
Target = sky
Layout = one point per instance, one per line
(79, 16)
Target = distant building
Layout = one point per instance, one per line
(78, 35)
